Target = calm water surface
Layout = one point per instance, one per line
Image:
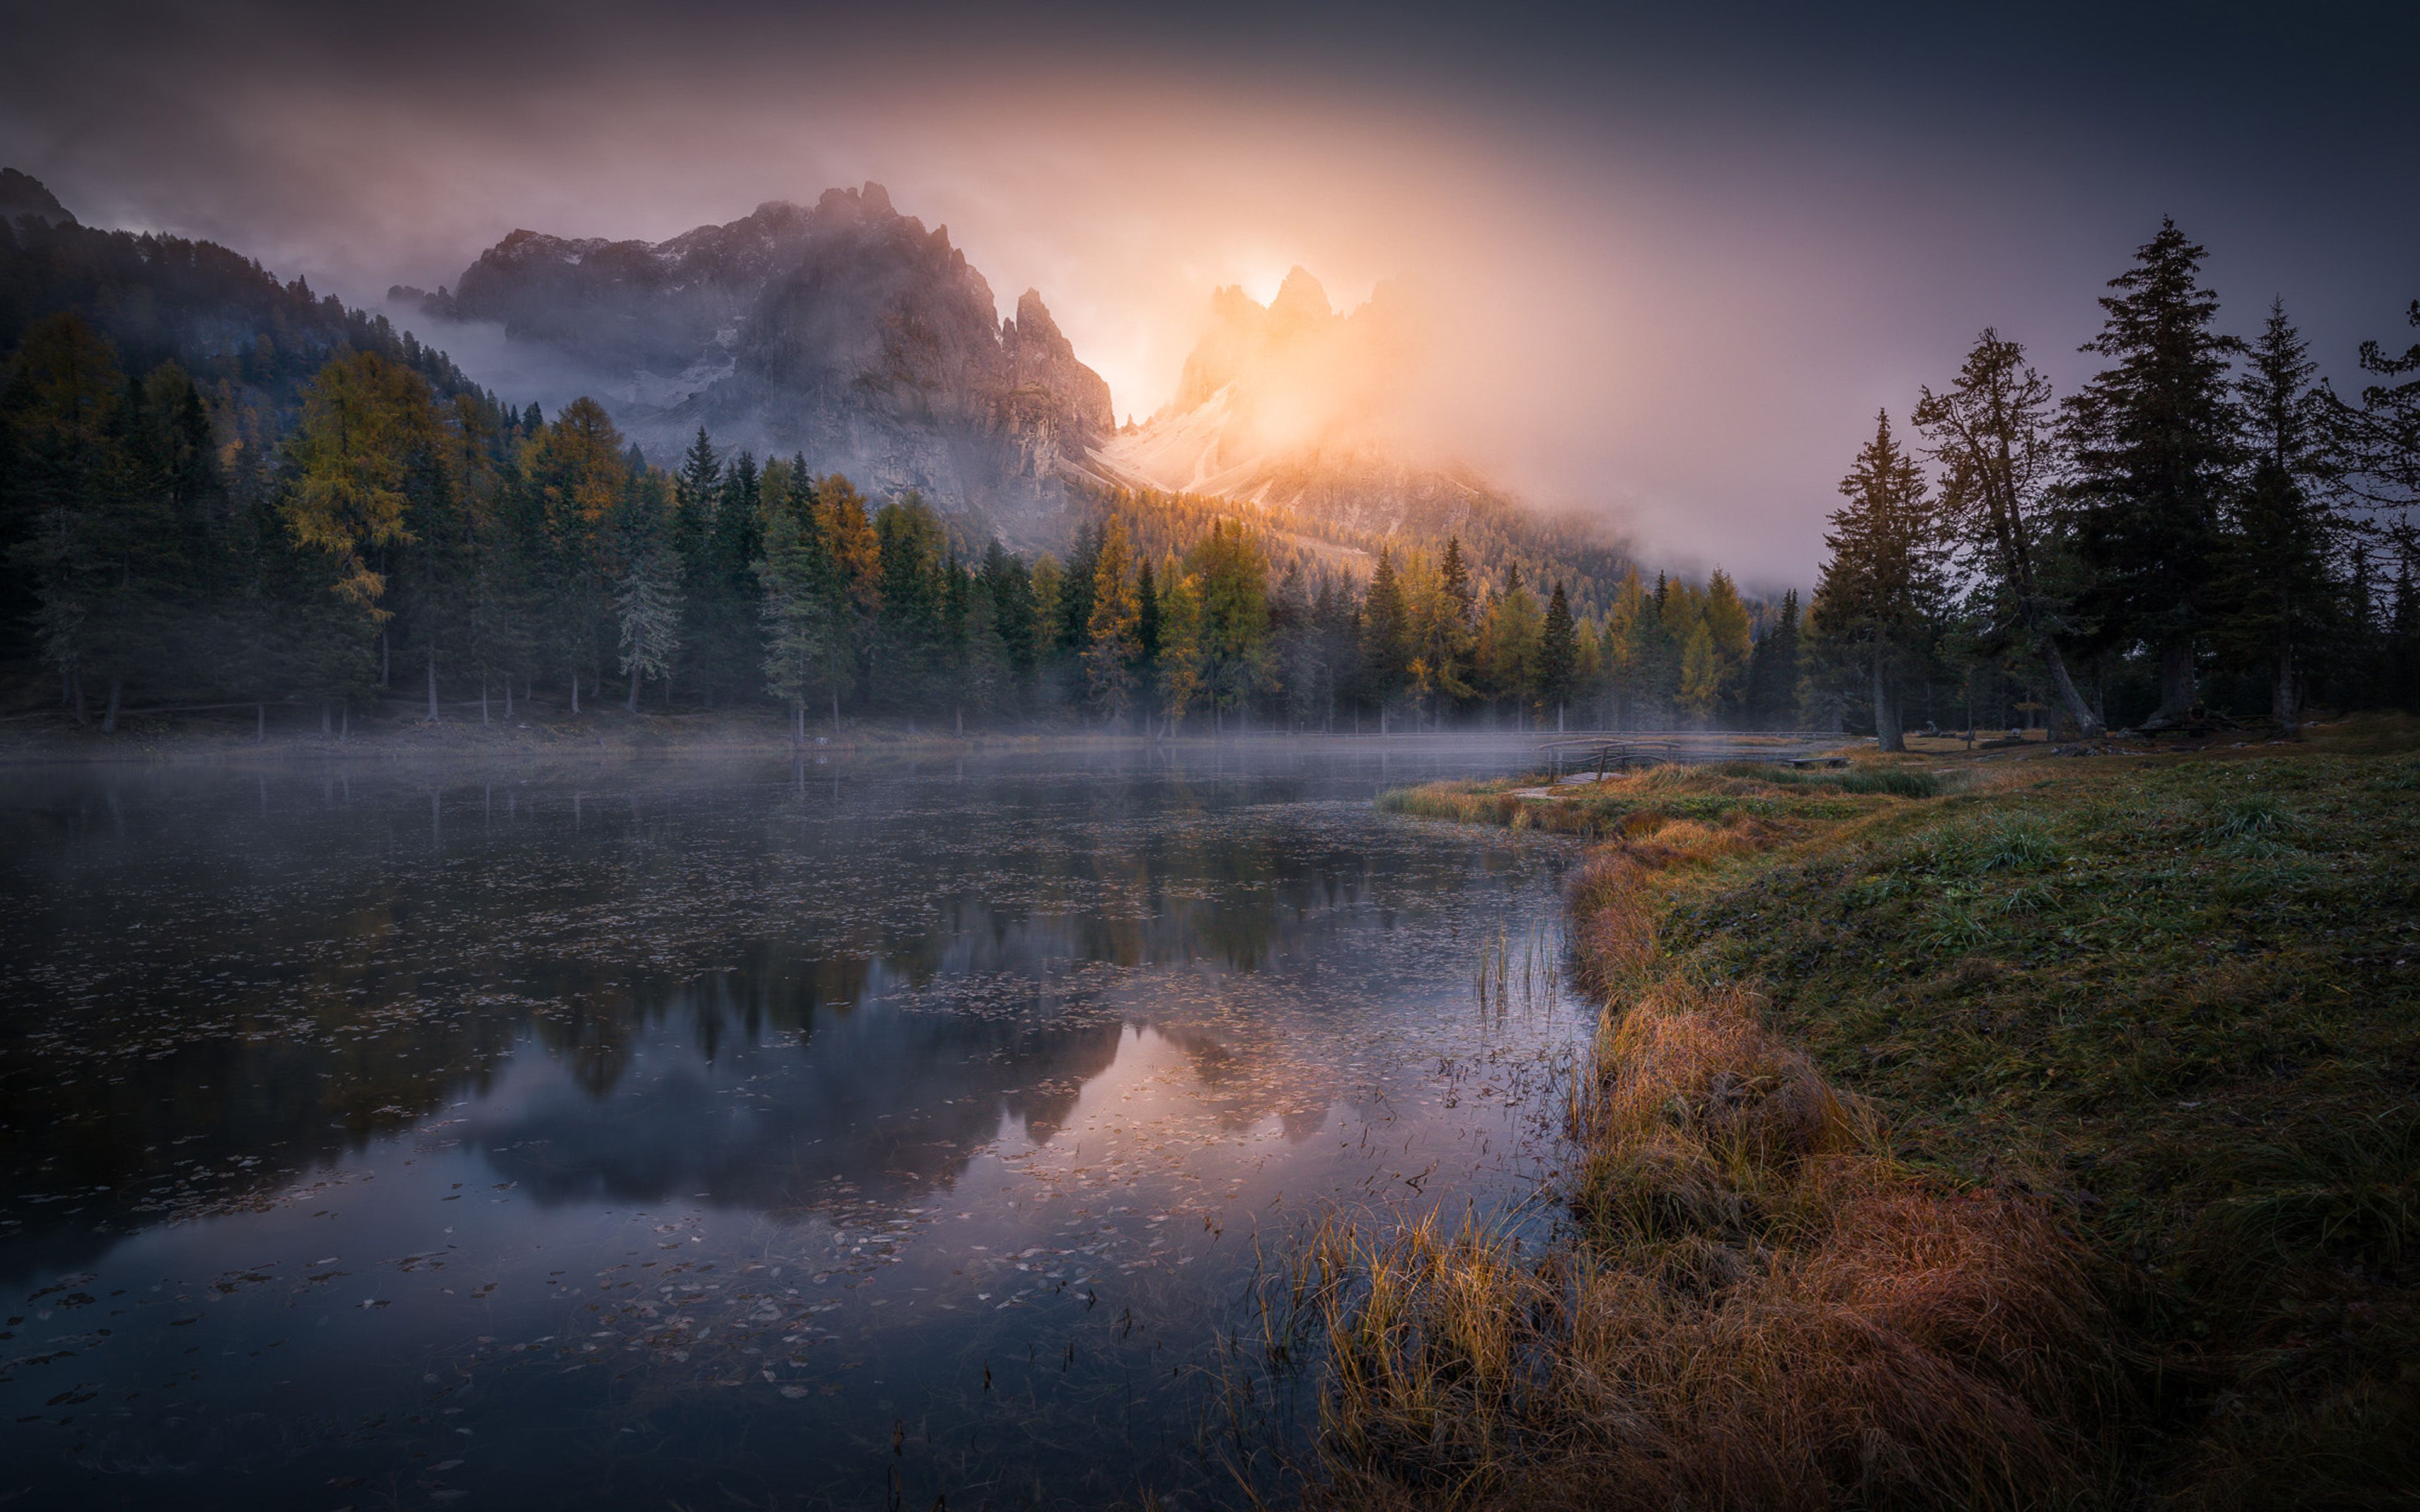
(854, 1134)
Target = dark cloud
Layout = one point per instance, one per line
(1692, 248)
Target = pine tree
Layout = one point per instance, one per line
(1385, 633)
(2383, 437)
(1991, 435)
(1455, 580)
(1775, 666)
(647, 597)
(1510, 633)
(1725, 676)
(1112, 643)
(1558, 652)
(1878, 597)
(577, 474)
(1233, 569)
(2155, 450)
(1178, 668)
(2275, 574)
(63, 396)
(806, 616)
(905, 656)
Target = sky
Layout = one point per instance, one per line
(1680, 255)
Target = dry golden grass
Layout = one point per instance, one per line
(1759, 1308)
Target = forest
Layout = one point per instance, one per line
(221, 491)
(2204, 531)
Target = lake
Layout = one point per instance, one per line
(853, 1132)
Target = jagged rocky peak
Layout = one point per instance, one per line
(22, 194)
(1301, 302)
(845, 329)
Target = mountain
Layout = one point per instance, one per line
(253, 340)
(22, 194)
(845, 329)
(1315, 416)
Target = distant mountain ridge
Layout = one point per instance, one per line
(1311, 414)
(844, 331)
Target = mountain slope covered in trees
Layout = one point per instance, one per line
(844, 332)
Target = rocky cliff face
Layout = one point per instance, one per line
(1296, 404)
(844, 331)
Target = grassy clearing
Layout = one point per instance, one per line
(2048, 1137)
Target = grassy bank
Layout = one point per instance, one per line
(2032, 1134)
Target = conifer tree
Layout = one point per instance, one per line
(1775, 666)
(1112, 643)
(1178, 668)
(1455, 579)
(1879, 595)
(1558, 652)
(806, 615)
(577, 473)
(647, 598)
(2154, 441)
(1233, 573)
(2275, 573)
(1991, 433)
(2381, 438)
(1385, 633)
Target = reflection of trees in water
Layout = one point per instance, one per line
(324, 962)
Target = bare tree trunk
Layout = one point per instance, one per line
(1886, 731)
(633, 704)
(2086, 720)
(432, 682)
(483, 697)
(324, 719)
(835, 714)
(575, 690)
(109, 721)
(2176, 681)
(344, 722)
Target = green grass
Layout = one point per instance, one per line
(2187, 998)
(1707, 793)
(2178, 997)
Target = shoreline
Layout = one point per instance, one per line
(615, 732)
(1899, 1084)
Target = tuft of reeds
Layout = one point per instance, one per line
(1756, 1305)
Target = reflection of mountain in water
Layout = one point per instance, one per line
(882, 1099)
(324, 962)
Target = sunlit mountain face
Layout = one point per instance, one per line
(1272, 394)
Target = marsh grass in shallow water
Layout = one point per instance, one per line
(1755, 1304)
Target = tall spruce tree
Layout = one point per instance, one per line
(2156, 452)
(1113, 642)
(1877, 599)
(1774, 666)
(1386, 634)
(1558, 652)
(2276, 584)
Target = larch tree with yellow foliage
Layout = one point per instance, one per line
(1113, 646)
